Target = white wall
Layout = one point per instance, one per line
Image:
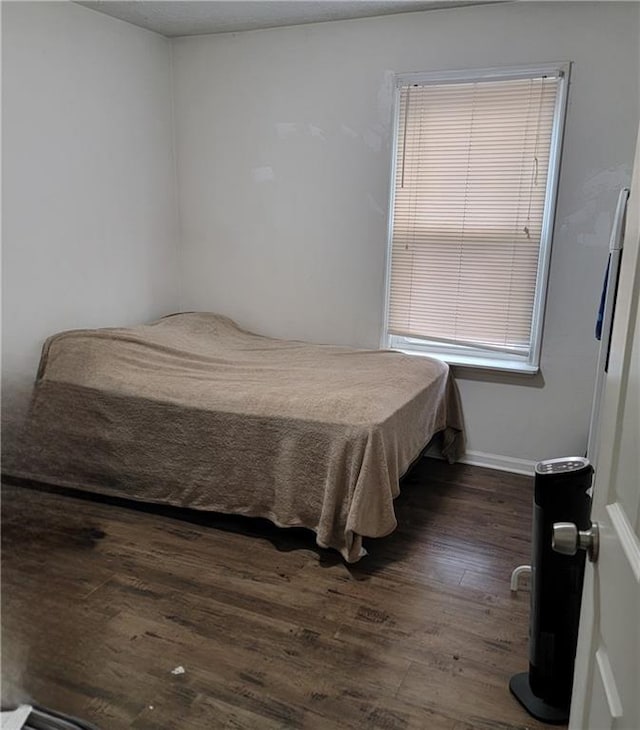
(283, 142)
(89, 208)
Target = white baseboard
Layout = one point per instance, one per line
(492, 461)
(502, 463)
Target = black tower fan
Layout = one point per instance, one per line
(556, 590)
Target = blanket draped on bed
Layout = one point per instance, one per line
(193, 411)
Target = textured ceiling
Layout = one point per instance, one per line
(193, 17)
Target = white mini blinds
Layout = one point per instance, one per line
(472, 203)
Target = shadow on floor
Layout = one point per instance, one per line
(414, 488)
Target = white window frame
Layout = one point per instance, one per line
(477, 357)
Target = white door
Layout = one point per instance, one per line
(606, 692)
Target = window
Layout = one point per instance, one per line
(475, 172)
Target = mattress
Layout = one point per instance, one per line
(191, 410)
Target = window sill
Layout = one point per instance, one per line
(477, 363)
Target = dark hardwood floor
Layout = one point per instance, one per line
(102, 600)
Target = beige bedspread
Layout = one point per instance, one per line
(193, 411)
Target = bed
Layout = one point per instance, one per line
(193, 411)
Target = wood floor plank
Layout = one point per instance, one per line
(102, 599)
(463, 690)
